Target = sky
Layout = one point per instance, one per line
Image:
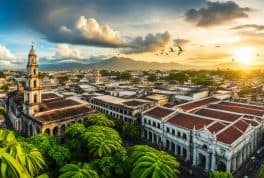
(210, 32)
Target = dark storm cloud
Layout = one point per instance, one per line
(149, 43)
(216, 13)
(49, 17)
(254, 27)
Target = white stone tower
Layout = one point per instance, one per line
(32, 92)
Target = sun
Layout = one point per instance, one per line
(244, 55)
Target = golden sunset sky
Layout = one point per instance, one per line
(209, 32)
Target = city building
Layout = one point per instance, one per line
(118, 108)
(32, 111)
(211, 133)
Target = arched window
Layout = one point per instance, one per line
(35, 98)
(34, 72)
(35, 84)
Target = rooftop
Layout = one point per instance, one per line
(240, 110)
(199, 103)
(225, 116)
(159, 112)
(188, 121)
(64, 114)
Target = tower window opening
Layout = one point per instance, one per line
(35, 84)
(34, 71)
(35, 98)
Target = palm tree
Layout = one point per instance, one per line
(79, 170)
(102, 141)
(33, 160)
(17, 160)
(99, 119)
(75, 129)
(132, 131)
(149, 162)
(261, 173)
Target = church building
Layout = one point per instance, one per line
(32, 111)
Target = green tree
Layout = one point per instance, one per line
(55, 154)
(112, 166)
(148, 162)
(261, 173)
(219, 174)
(5, 87)
(98, 119)
(132, 132)
(19, 159)
(79, 170)
(102, 141)
(2, 110)
(179, 76)
(152, 77)
(75, 129)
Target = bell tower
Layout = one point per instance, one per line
(32, 91)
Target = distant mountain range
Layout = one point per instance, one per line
(121, 63)
(114, 63)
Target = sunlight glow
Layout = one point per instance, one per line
(244, 55)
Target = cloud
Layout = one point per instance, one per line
(253, 27)
(180, 42)
(87, 31)
(149, 43)
(216, 13)
(5, 54)
(65, 52)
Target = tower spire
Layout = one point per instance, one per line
(32, 92)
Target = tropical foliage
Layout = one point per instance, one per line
(19, 159)
(102, 141)
(219, 174)
(79, 170)
(99, 119)
(261, 173)
(92, 150)
(149, 162)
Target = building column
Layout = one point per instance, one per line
(234, 164)
(188, 153)
(207, 162)
(195, 156)
(228, 166)
(213, 162)
(152, 139)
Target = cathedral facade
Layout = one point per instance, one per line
(32, 111)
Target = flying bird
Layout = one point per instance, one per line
(180, 50)
(217, 46)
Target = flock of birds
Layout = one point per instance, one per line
(181, 50)
(172, 50)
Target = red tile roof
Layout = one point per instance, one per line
(216, 127)
(64, 114)
(252, 122)
(240, 110)
(242, 105)
(229, 135)
(134, 103)
(242, 125)
(189, 121)
(195, 104)
(159, 112)
(46, 96)
(218, 114)
(58, 104)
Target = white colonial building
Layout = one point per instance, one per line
(212, 134)
(118, 108)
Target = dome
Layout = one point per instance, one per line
(32, 51)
